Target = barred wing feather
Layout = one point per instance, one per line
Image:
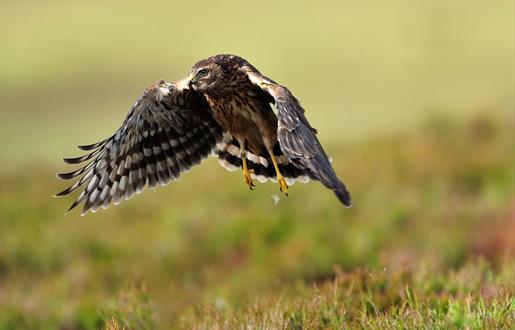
(166, 132)
(297, 138)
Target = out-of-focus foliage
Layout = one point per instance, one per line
(441, 195)
(71, 69)
(414, 101)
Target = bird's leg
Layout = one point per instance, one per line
(280, 179)
(245, 170)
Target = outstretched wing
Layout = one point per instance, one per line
(166, 132)
(297, 138)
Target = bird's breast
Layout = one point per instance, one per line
(246, 119)
(233, 112)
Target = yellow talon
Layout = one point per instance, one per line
(248, 180)
(280, 179)
(282, 184)
(246, 174)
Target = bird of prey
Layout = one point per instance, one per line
(222, 108)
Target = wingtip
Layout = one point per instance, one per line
(347, 204)
(62, 176)
(344, 197)
(63, 193)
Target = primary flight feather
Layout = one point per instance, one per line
(223, 108)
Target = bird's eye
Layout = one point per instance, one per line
(202, 73)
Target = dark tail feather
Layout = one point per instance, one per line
(321, 170)
(332, 182)
(337, 186)
(343, 195)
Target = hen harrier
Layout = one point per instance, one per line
(223, 108)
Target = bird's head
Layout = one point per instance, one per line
(205, 77)
(215, 75)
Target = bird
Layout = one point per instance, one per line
(226, 108)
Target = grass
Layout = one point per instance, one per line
(427, 244)
(471, 297)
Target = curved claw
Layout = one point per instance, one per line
(282, 185)
(246, 173)
(248, 180)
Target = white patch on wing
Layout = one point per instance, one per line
(289, 180)
(233, 150)
(228, 166)
(303, 179)
(183, 83)
(260, 178)
(163, 92)
(253, 158)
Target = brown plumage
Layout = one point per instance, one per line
(223, 107)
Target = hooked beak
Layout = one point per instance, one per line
(193, 80)
(186, 82)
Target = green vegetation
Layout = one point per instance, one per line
(368, 299)
(471, 297)
(414, 101)
(73, 68)
(429, 205)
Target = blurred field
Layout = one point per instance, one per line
(442, 196)
(72, 69)
(414, 101)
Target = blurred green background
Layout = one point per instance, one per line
(413, 99)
